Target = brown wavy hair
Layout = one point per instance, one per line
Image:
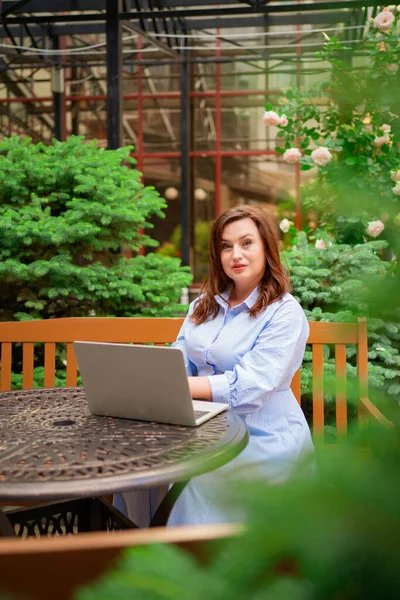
(275, 282)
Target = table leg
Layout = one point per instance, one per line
(6, 529)
(162, 513)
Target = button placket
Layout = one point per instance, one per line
(215, 338)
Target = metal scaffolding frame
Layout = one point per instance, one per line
(92, 40)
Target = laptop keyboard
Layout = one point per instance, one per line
(200, 413)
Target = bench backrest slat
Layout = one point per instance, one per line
(161, 331)
(362, 357)
(27, 365)
(318, 387)
(49, 364)
(6, 354)
(341, 401)
(72, 366)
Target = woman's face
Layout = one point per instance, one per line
(243, 253)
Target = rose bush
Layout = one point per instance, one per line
(349, 128)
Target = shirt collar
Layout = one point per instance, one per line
(223, 299)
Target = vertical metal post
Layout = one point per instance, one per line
(192, 183)
(57, 84)
(297, 166)
(218, 159)
(186, 212)
(114, 73)
(9, 111)
(140, 117)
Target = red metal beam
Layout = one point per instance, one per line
(231, 93)
(171, 95)
(26, 100)
(242, 153)
(145, 96)
(208, 153)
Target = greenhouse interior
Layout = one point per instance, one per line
(199, 299)
(186, 84)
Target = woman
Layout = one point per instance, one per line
(243, 340)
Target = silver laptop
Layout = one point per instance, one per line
(147, 383)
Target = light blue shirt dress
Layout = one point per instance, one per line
(250, 362)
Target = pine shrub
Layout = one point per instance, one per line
(66, 211)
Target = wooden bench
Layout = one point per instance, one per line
(162, 331)
(55, 567)
(44, 562)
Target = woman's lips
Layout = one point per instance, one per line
(238, 267)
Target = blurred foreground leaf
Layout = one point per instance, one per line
(323, 535)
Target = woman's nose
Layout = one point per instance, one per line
(237, 252)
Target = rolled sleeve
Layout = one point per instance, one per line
(220, 390)
(270, 364)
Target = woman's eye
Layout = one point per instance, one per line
(247, 243)
(224, 246)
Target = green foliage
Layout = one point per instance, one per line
(38, 379)
(322, 537)
(168, 249)
(330, 285)
(66, 210)
(333, 277)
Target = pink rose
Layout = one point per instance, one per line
(375, 228)
(384, 20)
(320, 244)
(292, 155)
(385, 128)
(285, 225)
(271, 118)
(396, 189)
(382, 139)
(368, 128)
(284, 121)
(395, 176)
(321, 156)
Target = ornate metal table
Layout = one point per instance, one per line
(52, 448)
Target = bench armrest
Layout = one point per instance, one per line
(368, 409)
